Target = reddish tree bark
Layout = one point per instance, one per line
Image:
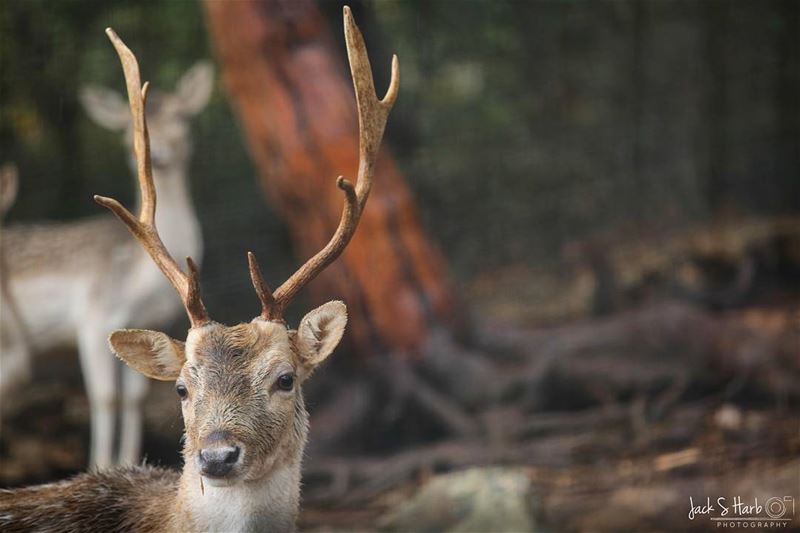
(295, 102)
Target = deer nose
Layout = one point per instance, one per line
(219, 460)
(218, 457)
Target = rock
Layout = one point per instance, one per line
(473, 500)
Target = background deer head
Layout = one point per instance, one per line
(168, 115)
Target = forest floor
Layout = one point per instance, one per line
(618, 422)
(625, 418)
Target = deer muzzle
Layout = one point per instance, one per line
(219, 456)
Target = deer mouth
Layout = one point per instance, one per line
(220, 482)
(222, 478)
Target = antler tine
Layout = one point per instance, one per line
(262, 289)
(137, 96)
(372, 112)
(372, 116)
(143, 228)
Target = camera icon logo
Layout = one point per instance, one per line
(777, 507)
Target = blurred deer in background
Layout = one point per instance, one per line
(239, 386)
(73, 282)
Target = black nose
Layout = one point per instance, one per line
(218, 461)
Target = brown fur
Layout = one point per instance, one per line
(125, 499)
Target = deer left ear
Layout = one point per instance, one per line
(105, 107)
(319, 333)
(154, 354)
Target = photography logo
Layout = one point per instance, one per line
(776, 512)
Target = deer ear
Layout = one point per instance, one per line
(194, 89)
(319, 332)
(105, 107)
(154, 354)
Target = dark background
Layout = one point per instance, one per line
(522, 125)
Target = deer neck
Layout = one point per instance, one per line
(175, 217)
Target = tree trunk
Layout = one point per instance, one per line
(295, 102)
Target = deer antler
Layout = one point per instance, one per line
(143, 228)
(372, 116)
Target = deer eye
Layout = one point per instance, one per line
(286, 382)
(180, 388)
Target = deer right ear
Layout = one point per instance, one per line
(319, 333)
(195, 87)
(105, 107)
(154, 354)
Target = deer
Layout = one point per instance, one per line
(67, 284)
(240, 387)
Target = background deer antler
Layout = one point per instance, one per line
(144, 227)
(372, 116)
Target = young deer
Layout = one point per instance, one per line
(240, 386)
(73, 282)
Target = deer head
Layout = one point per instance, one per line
(168, 115)
(240, 386)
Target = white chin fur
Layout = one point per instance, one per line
(220, 482)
